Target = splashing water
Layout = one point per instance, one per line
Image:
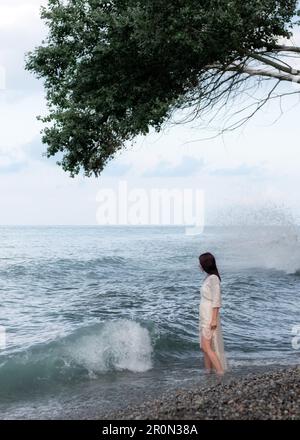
(264, 237)
(120, 345)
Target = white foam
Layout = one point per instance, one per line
(264, 236)
(121, 344)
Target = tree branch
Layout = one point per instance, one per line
(260, 72)
(276, 65)
(283, 48)
(243, 68)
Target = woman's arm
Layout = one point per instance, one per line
(213, 324)
(216, 300)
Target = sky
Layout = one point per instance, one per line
(243, 173)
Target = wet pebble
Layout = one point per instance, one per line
(270, 395)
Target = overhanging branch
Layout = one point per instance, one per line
(270, 65)
(276, 64)
(221, 83)
(283, 48)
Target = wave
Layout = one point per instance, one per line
(87, 353)
(57, 266)
(272, 247)
(93, 352)
(261, 235)
(280, 249)
(105, 350)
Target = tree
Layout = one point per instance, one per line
(114, 69)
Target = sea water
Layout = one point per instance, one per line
(99, 317)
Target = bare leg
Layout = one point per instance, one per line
(207, 363)
(206, 347)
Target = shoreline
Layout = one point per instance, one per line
(273, 394)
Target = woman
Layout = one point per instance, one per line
(210, 331)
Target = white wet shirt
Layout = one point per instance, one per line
(210, 298)
(211, 290)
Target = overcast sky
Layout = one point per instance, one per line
(254, 167)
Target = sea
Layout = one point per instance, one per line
(94, 318)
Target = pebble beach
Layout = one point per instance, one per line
(272, 395)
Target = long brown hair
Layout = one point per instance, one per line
(208, 263)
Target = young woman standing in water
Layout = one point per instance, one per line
(210, 331)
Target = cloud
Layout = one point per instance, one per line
(21, 31)
(36, 151)
(18, 119)
(12, 167)
(241, 170)
(116, 168)
(187, 167)
(16, 159)
(14, 13)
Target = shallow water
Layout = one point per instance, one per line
(99, 316)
